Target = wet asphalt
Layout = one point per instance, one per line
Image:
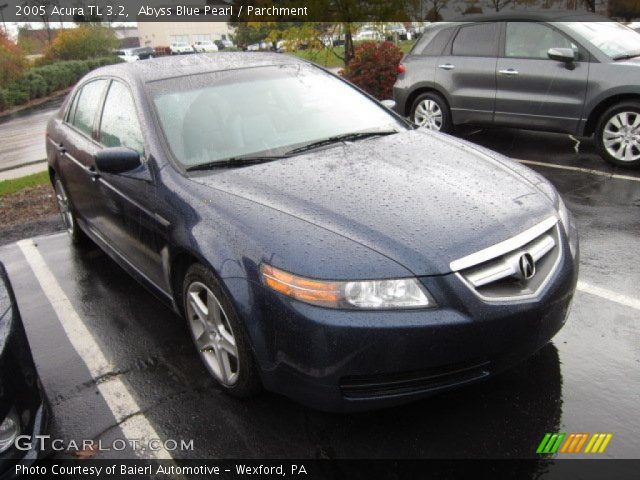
(586, 380)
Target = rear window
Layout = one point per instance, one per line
(479, 40)
(438, 43)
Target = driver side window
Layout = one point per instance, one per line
(119, 126)
(533, 40)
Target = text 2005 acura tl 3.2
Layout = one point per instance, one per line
(316, 243)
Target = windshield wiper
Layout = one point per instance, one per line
(627, 56)
(235, 162)
(346, 137)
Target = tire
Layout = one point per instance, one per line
(217, 333)
(617, 135)
(431, 111)
(67, 215)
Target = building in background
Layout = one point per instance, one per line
(163, 34)
(127, 36)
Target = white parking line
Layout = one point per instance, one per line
(579, 169)
(609, 295)
(125, 409)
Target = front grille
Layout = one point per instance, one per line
(377, 386)
(521, 271)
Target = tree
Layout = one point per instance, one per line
(498, 5)
(344, 16)
(86, 41)
(434, 12)
(12, 60)
(472, 7)
(43, 6)
(625, 9)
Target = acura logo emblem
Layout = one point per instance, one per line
(527, 266)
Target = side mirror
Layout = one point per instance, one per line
(117, 160)
(390, 104)
(566, 55)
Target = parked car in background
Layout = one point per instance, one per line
(316, 243)
(179, 48)
(395, 30)
(225, 42)
(260, 46)
(23, 405)
(367, 34)
(204, 46)
(571, 74)
(135, 54)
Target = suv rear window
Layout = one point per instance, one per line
(479, 40)
(437, 44)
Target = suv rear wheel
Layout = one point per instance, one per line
(430, 110)
(618, 134)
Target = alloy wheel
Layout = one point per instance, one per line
(428, 114)
(621, 136)
(63, 207)
(212, 333)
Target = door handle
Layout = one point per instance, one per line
(446, 66)
(509, 71)
(93, 173)
(61, 148)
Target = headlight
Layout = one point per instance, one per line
(563, 213)
(360, 294)
(553, 195)
(9, 430)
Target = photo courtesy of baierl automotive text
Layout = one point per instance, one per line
(321, 239)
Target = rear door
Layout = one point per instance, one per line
(76, 148)
(533, 90)
(467, 72)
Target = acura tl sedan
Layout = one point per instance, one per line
(315, 242)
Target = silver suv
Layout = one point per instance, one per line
(577, 77)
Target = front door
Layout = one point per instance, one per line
(128, 222)
(533, 90)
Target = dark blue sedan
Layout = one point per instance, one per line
(316, 243)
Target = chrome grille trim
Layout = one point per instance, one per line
(507, 266)
(503, 247)
(500, 279)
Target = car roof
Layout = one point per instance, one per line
(534, 16)
(177, 66)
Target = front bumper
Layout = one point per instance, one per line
(341, 360)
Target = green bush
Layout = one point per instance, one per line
(4, 99)
(84, 42)
(46, 79)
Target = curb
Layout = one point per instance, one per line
(22, 165)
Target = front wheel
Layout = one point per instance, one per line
(618, 135)
(218, 334)
(431, 111)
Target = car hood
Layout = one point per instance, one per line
(420, 198)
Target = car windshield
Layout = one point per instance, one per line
(611, 38)
(260, 111)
